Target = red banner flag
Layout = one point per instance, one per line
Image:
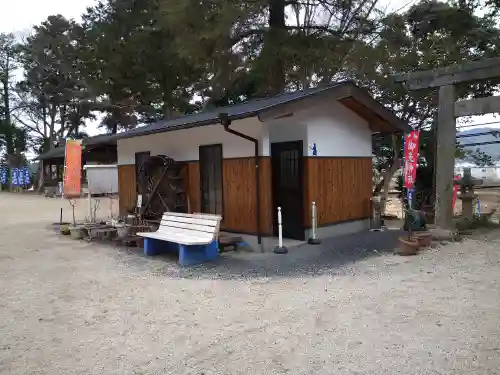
(72, 168)
(411, 158)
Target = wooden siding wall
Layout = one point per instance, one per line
(239, 204)
(126, 188)
(193, 188)
(341, 188)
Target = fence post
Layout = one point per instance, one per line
(280, 249)
(89, 202)
(313, 239)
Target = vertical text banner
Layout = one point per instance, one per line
(72, 168)
(411, 158)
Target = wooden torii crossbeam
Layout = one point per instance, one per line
(448, 110)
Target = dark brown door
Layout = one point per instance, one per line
(288, 187)
(211, 179)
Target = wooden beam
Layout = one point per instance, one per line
(467, 72)
(335, 94)
(479, 106)
(445, 158)
(480, 144)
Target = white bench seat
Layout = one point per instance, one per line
(176, 237)
(192, 234)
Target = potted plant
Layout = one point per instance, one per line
(408, 244)
(423, 238)
(64, 230)
(122, 229)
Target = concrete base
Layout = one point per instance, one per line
(280, 250)
(314, 241)
(467, 206)
(341, 229)
(440, 234)
(269, 243)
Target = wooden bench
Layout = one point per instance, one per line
(193, 236)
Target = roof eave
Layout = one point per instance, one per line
(234, 117)
(50, 155)
(362, 96)
(195, 124)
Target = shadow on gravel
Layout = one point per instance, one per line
(327, 258)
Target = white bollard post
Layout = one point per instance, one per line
(280, 249)
(314, 240)
(280, 228)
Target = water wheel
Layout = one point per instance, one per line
(162, 185)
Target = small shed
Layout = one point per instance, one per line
(100, 149)
(244, 161)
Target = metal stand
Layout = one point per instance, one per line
(89, 202)
(313, 240)
(280, 249)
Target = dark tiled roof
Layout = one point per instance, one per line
(238, 111)
(101, 139)
(97, 140)
(57, 152)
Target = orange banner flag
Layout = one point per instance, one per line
(72, 168)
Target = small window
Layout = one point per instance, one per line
(46, 172)
(54, 172)
(211, 179)
(483, 170)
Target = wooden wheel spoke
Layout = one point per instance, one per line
(161, 182)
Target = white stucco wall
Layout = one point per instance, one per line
(336, 130)
(288, 129)
(183, 145)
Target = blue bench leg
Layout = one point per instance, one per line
(155, 247)
(195, 254)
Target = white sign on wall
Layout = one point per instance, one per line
(102, 179)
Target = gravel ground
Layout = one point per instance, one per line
(69, 307)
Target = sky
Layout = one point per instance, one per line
(19, 16)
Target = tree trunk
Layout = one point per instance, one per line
(388, 175)
(114, 127)
(52, 125)
(167, 111)
(9, 136)
(271, 61)
(40, 180)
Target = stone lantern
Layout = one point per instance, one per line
(467, 195)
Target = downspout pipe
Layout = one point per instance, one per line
(226, 122)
